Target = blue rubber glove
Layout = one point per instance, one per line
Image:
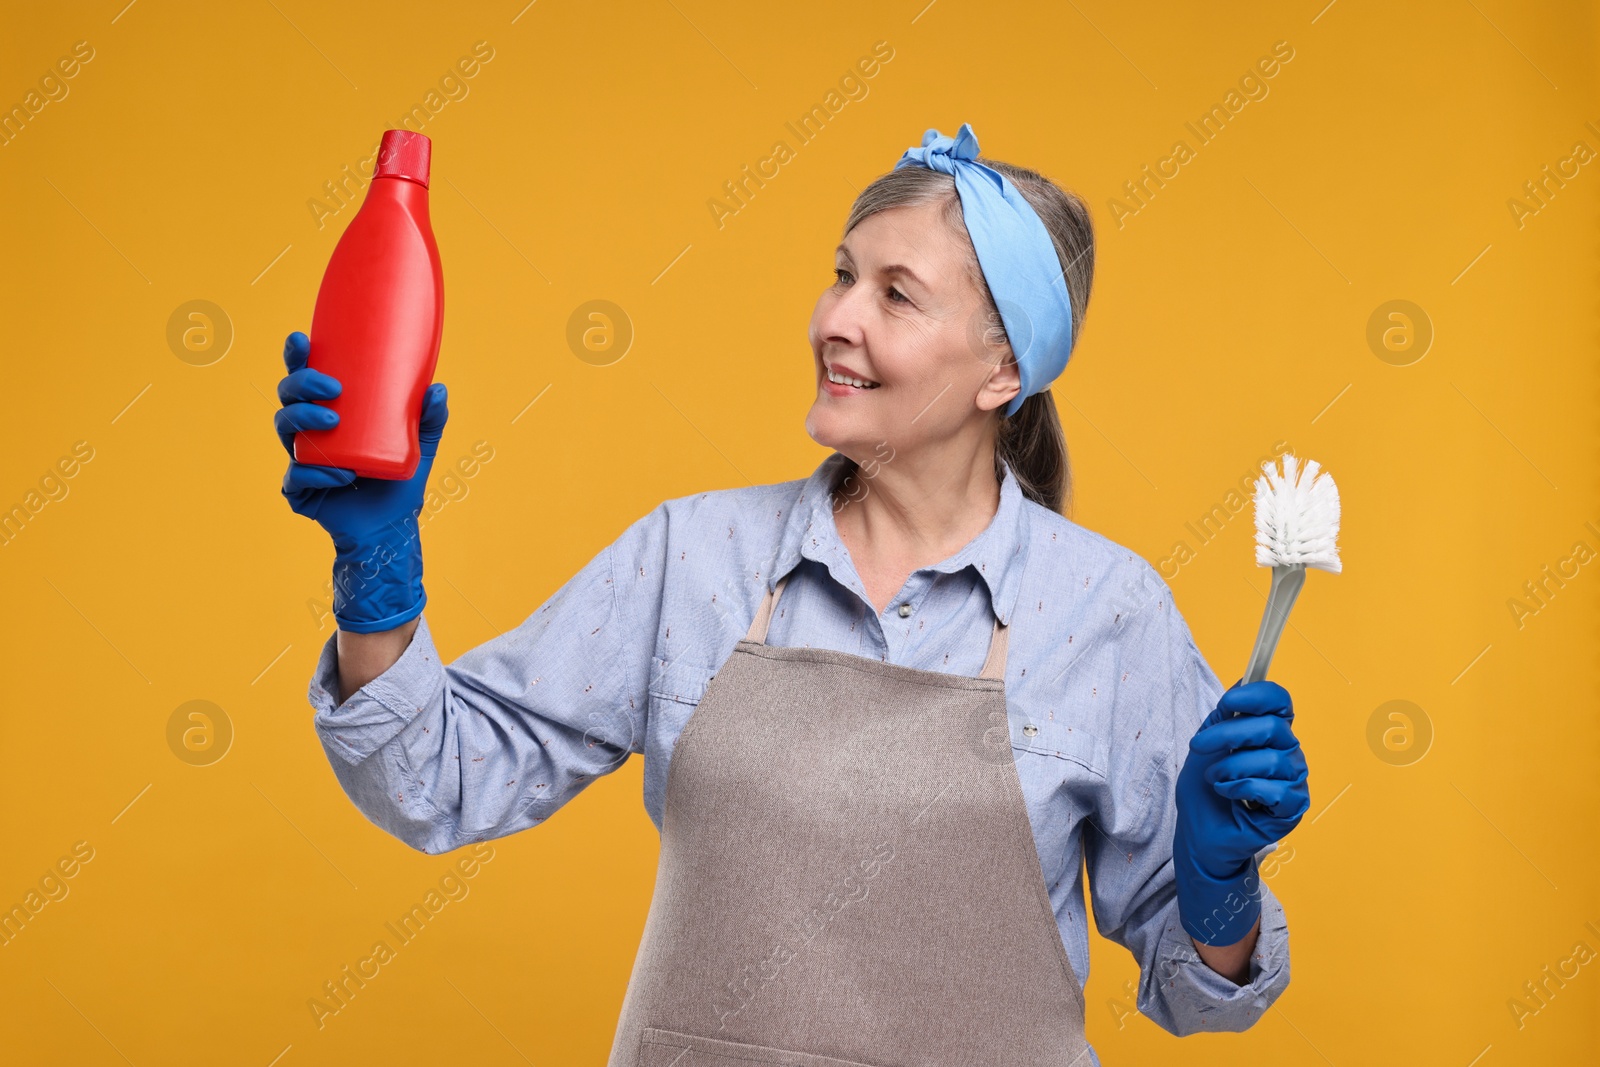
(377, 566)
(1253, 756)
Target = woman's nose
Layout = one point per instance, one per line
(839, 317)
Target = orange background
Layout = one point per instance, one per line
(1231, 311)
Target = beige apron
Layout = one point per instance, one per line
(848, 877)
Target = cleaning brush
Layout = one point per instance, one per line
(1297, 526)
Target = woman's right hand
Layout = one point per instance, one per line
(298, 392)
(377, 567)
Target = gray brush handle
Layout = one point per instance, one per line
(1286, 583)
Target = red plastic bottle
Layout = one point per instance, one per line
(378, 319)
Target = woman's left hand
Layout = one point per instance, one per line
(1245, 749)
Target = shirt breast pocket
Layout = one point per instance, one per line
(1051, 749)
(1063, 772)
(675, 689)
(677, 682)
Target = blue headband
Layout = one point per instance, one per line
(1015, 252)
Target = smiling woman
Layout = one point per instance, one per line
(941, 326)
(876, 720)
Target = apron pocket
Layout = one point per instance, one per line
(661, 1048)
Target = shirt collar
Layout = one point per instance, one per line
(998, 554)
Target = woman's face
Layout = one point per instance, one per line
(904, 316)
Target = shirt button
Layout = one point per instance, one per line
(1030, 729)
(905, 611)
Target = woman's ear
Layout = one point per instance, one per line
(1003, 383)
(986, 340)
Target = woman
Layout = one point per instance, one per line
(887, 712)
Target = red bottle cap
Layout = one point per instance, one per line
(403, 154)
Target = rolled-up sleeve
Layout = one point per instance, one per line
(440, 755)
(1168, 690)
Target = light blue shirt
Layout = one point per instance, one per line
(1104, 686)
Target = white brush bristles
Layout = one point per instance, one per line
(1297, 516)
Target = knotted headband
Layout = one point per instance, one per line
(1018, 259)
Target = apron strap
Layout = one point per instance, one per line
(758, 625)
(994, 666)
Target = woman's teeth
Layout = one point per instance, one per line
(841, 379)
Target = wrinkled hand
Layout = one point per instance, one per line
(1244, 750)
(373, 521)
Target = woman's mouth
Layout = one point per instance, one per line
(838, 383)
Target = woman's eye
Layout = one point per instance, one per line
(844, 277)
